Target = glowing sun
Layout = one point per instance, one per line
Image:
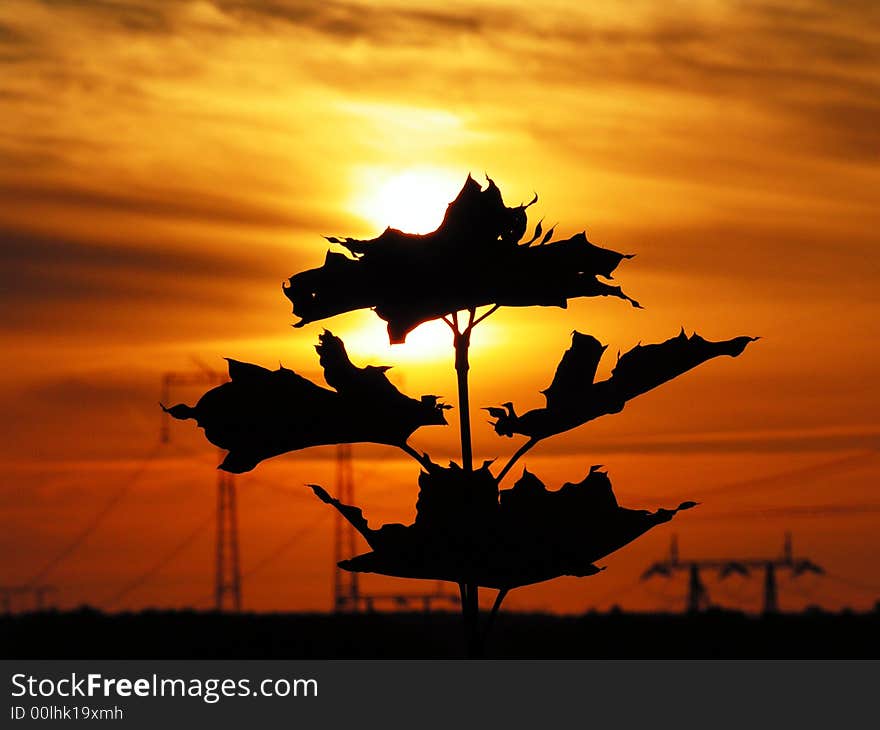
(413, 201)
(429, 341)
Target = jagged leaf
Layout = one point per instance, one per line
(574, 399)
(468, 532)
(537, 234)
(262, 413)
(576, 371)
(548, 235)
(472, 259)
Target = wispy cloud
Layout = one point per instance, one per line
(164, 164)
(165, 203)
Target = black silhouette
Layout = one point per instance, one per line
(573, 398)
(262, 413)
(474, 258)
(466, 530)
(716, 634)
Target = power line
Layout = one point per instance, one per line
(96, 521)
(161, 563)
(795, 511)
(698, 596)
(804, 591)
(615, 593)
(285, 546)
(811, 470)
(227, 574)
(855, 583)
(271, 556)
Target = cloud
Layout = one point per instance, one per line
(101, 392)
(147, 16)
(164, 203)
(56, 259)
(98, 292)
(339, 20)
(10, 36)
(811, 72)
(799, 78)
(346, 21)
(784, 442)
(166, 163)
(66, 416)
(16, 45)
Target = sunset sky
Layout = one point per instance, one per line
(166, 165)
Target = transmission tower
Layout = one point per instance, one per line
(347, 594)
(37, 593)
(227, 573)
(698, 595)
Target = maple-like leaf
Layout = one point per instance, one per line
(573, 398)
(262, 413)
(466, 531)
(474, 258)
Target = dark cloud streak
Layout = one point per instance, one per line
(166, 203)
(147, 16)
(345, 21)
(55, 285)
(813, 67)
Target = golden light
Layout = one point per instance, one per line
(429, 341)
(413, 201)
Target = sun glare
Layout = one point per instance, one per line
(413, 201)
(429, 341)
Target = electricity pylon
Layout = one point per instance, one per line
(698, 595)
(347, 594)
(37, 592)
(227, 573)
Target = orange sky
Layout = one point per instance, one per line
(166, 165)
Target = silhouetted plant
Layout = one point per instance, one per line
(467, 530)
(262, 413)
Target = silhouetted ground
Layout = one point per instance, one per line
(716, 634)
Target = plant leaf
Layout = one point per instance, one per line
(262, 413)
(538, 230)
(573, 397)
(548, 235)
(472, 259)
(468, 532)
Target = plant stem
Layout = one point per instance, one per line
(472, 621)
(491, 620)
(483, 316)
(467, 624)
(462, 343)
(470, 592)
(516, 457)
